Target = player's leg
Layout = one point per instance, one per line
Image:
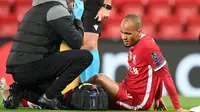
(92, 30)
(110, 86)
(120, 98)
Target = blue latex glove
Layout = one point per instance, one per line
(78, 9)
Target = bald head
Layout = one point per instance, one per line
(131, 29)
(135, 19)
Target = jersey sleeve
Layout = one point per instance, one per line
(155, 58)
(166, 78)
(159, 90)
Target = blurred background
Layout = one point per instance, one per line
(174, 24)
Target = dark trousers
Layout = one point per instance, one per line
(53, 73)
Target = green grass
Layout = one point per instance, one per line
(186, 102)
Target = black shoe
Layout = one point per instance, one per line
(53, 104)
(14, 98)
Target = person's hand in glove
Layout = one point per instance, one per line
(78, 9)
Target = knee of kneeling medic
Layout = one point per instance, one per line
(88, 56)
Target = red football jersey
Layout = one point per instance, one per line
(144, 60)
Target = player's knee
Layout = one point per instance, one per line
(101, 75)
(99, 78)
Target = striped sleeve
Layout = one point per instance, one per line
(155, 59)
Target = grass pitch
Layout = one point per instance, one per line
(186, 103)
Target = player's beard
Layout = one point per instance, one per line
(127, 46)
(135, 43)
(138, 39)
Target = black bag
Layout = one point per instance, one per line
(88, 97)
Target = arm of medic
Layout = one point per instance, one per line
(69, 28)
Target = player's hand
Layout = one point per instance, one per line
(78, 9)
(182, 110)
(102, 14)
(160, 105)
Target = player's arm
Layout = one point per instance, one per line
(104, 12)
(159, 91)
(159, 65)
(164, 74)
(158, 101)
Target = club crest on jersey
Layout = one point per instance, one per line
(154, 56)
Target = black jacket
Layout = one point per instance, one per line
(41, 32)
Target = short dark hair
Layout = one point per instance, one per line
(136, 19)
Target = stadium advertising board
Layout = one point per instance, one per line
(183, 59)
